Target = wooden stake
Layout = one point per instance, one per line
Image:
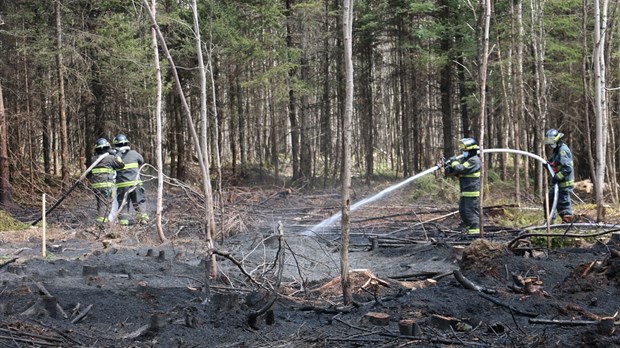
(43, 238)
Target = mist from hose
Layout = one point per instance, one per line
(332, 219)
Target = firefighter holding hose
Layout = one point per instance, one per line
(467, 170)
(562, 163)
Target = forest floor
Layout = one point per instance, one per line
(414, 284)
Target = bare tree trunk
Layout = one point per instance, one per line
(600, 100)
(485, 5)
(5, 185)
(326, 128)
(519, 97)
(216, 131)
(209, 228)
(305, 148)
(64, 144)
(445, 83)
(292, 97)
(506, 118)
(347, 24)
(210, 224)
(586, 94)
(160, 161)
(537, 35)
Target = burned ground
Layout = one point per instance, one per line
(120, 287)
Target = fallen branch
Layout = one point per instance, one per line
(8, 262)
(25, 340)
(511, 308)
(82, 315)
(239, 265)
(564, 322)
(44, 291)
(33, 335)
(468, 284)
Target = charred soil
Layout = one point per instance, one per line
(416, 280)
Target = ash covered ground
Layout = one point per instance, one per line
(414, 284)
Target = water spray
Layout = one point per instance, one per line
(332, 219)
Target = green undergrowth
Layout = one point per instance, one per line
(435, 189)
(8, 223)
(556, 242)
(518, 218)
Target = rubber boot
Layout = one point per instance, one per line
(568, 219)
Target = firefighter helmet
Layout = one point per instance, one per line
(120, 140)
(102, 143)
(553, 136)
(467, 144)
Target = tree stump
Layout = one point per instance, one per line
(405, 327)
(443, 323)
(162, 255)
(376, 318)
(457, 252)
(149, 253)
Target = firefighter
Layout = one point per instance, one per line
(101, 177)
(467, 169)
(128, 184)
(562, 163)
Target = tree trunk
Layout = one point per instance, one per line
(537, 36)
(326, 128)
(235, 99)
(210, 221)
(347, 23)
(485, 6)
(5, 185)
(366, 110)
(210, 215)
(292, 98)
(520, 103)
(160, 161)
(445, 84)
(305, 121)
(600, 101)
(64, 142)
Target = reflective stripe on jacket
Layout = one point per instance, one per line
(468, 172)
(102, 176)
(128, 176)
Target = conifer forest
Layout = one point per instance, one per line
(260, 86)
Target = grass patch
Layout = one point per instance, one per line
(556, 242)
(517, 218)
(430, 187)
(8, 223)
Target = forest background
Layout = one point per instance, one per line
(76, 70)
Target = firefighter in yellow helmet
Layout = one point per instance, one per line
(467, 170)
